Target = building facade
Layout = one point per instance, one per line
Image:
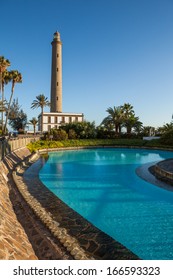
(55, 120)
(56, 117)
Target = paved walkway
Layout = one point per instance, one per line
(14, 242)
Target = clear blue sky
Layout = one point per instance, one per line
(114, 51)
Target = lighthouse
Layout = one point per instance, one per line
(56, 117)
(56, 74)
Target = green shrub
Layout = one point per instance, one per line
(46, 144)
(72, 134)
(167, 138)
(59, 134)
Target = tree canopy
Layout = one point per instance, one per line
(122, 116)
(17, 117)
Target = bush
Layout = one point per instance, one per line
(167, 138)
(72, 134)
(59, 134)
(103, 133)
(83, 130)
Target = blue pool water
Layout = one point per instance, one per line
(101, 185)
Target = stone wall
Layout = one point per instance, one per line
(23, 236)
(14, 243)
(7, 146)
(164, 171)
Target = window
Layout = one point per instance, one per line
(56, 119)
(57, 55)
(70, 119)
(57, 98)
(49, 119)
(76, 118)
(57, 84)
(57, 69)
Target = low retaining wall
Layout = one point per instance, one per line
(164, 170)
(14, 243)
(7, 146)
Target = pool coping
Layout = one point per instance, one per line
(157, 175)
(82, 239)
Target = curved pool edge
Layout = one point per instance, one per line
(94, 243)
(147, 173)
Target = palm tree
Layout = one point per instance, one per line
(115, 117)
(34, 121)
(4, 63)
(132, 122)
(3, 108)
(127, 109)
(129, 119)
(14, 77)
(167, 127)
(138, 126)
(40, 101)
(5, 80)
(148, 130)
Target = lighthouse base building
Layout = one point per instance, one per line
(56, 117)
(55, 120)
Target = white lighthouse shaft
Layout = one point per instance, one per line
(56, 74)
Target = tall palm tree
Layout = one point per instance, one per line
(129, 119)
(115, 117)
(5, 80)
(167, 127)
(132, 122)
(34, 122)
(149, 131)
(3, 106)
(4, 63)
(40, 101)
(15, 77)
(127, 109)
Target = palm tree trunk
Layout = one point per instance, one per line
(41, 120)
(116, 130)
(34, 129)
(8, 111)
(2, 109)
(129, 130)
(2, 98)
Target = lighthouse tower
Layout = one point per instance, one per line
(56, 117)
(56, 74)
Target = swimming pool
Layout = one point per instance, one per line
(102, 186)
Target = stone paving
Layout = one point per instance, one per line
(14, 243)
(163, 170)
(22, 235)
